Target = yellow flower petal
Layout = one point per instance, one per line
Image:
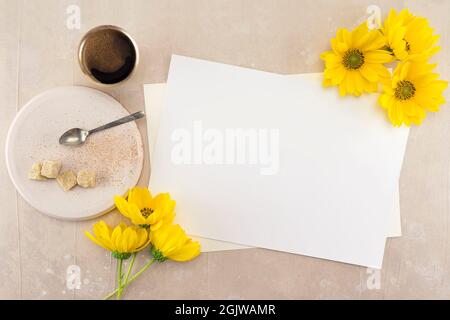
(378, 56)
(187, 252)
(121, 239)
(135, 214)
(377, 44)
(142, 237)
(345, 37)
(156, 226)
(342, 88)
(93, 239)
(140, 196)
(369, 73)
(172, 242)
(122, 205)
(102, 230)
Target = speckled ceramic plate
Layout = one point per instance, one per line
(116, 155)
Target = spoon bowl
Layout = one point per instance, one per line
(74, 137)
(77, 136)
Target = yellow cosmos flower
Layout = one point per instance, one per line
(356, 62)
(122, 241)
(413, 90)
(146, 211)
(409, 37)
(171, 242)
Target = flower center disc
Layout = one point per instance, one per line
(146, 212)
(353, 59)
(405, 90)
(407, 46)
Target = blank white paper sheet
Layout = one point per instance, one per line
(155, 100)
(320, 182)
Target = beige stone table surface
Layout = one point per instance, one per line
(38, 52)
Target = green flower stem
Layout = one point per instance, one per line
(145, 267)
(134, 277)
(130, 267)
(109, 296)
(119, 277)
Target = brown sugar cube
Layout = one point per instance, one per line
(67, 180)
(86, 178)
(35, 172)
(50, 169)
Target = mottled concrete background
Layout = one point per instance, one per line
(38, 52)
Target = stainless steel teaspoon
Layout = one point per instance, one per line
(77, 136)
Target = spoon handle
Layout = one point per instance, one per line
(120, 121)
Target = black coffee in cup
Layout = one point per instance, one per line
(108, 55)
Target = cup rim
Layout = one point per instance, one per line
(81, 47)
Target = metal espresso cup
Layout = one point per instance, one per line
(108, 55)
